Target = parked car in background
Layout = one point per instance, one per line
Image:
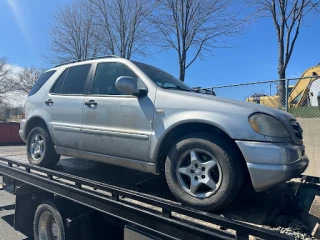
(137, 116)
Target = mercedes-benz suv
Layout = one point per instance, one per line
(137, 116)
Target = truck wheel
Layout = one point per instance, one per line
(40, 148)
(201, 173)
(48, 224)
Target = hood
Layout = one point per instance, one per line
(254, 107)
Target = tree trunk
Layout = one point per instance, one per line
(182, 73)
(281, 69)
(282, 88)
(182, 64)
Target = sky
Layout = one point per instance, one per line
(24, 41)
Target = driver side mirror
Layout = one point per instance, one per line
(128, 85)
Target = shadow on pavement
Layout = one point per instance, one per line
(6, 208)
(9, 219)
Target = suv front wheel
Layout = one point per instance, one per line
(201, 172)
(40, 148)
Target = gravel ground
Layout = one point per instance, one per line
(292, 226)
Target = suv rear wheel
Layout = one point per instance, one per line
(40, 148)
(201, 173)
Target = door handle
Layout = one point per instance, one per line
(91, 103)
(49, 102)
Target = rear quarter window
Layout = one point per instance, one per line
(56, 89)
(41, 81)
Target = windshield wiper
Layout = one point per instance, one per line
(178, 88)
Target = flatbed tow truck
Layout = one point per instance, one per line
(91, 208)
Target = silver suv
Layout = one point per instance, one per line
(137, 116)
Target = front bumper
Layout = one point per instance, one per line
(273, 163)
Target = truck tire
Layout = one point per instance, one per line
(201, 172)
(48, 223)
(40, 148)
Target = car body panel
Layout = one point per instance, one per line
(65, 119)
(118, 125)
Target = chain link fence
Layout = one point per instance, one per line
(299, 96)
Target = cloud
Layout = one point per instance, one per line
(15, 68)
(14, 98)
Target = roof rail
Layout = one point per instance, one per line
(85, 59)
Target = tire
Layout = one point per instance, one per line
(44, 216)
(212, 160)
(48, 157)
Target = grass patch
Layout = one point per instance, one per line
(305, 112)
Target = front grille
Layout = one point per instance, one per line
(296, 129)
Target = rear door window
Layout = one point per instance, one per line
(41, 81)
(76, 79)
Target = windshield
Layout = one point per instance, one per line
(162, 78)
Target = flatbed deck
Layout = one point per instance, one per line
(140, 200)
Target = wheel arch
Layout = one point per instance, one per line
(193, 127)
(35, 121)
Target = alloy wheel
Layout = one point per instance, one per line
(36, 147)
(199, 173)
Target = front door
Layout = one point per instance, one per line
(64, 104)
(116, 124)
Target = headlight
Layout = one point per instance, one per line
(267, 125)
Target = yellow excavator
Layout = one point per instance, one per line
(304, 93)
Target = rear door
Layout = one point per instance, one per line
(64, 104)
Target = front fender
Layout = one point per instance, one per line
(236, 127)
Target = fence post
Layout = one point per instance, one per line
(287, 86)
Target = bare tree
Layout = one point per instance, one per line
(287, 16)
(193, 27)
(73, 33)
(124, 28)
(6, 84)
(27, 78)
(4, 106)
